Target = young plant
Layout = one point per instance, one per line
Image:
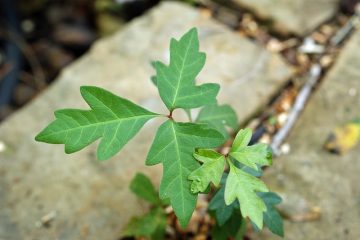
(151, 225)
(184, 148)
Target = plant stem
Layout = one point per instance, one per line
(170, 114)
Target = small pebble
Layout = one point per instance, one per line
(326, 61)
(28, 26)
(45, 220)
(265, 139)
(285, 148)
(282, 117)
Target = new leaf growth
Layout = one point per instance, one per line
(115, 121)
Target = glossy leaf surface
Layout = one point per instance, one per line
(113, 119)
(173, 146)
(211, 170)
(176, 82)
(218, 117)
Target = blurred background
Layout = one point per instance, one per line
(289, 68)
(41, 37)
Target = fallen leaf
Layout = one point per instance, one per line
(343, 138)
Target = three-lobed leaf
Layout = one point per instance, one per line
(210, 171)
(113, 119)
(254, 156)
(173, 146)
(240, 184)
(176, 82)
(218, 116)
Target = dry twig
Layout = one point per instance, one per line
(299, 104)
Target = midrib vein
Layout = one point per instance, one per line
(181, 72)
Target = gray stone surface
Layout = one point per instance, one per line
(91, 198)
(296, 16)
(310, 176)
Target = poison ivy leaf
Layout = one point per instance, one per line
(174, 145)
(154, 81)
(251, 156)
(210, 171)
(243, 187)
(176, 82)
(272, 218)
(143, 188)
(151, 225)
(233, 227)
(112, 118)
(217, 204)
(217, 117)
(242, 139)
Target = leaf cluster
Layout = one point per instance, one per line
(240, 185)
(114, 121)
(224, 214)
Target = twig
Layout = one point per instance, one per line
(306, 90)
(299, 104)
(347, 29)
(46, 219)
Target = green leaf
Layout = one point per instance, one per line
(243, 187)
(143, 188)
(176, 82)
(240, 183)
(228, 230)
(113, 119)
(249, 170)
(174, 145)
(253, 156)
(272, 218)
(153, 80)
(210, 171)
(217, 117)
(242, 139)
(217, 204)
(151, 225)
(160, 231)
